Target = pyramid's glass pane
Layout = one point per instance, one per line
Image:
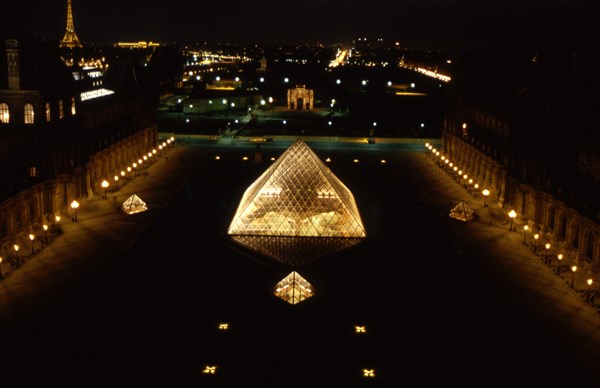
(298, 195)
(295, 251)
(462, 212)
(134, 205)
(293, 288)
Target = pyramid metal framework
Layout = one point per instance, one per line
(70, 39)
(297, 210)
(293, 288)
(133, 205)
(462, 212)
(298, 196)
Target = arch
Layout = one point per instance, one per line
(29, 114)
(551, 217)
(33, 208)
(575, 235)
(4, 113)
(587, 244)
(562, 226)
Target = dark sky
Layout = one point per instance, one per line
(435, 23)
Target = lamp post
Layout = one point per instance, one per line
(32, 237)
(105, 185)
(16, 247)
(547, 250)
(559, 257)
(574, 269)
(485, 193)
(512, 214)
(74, 206)
(535, 237)
(589, 282)
(525, 228)
(45, 227)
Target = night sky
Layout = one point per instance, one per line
(432, 23)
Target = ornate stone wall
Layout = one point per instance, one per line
(300, 98)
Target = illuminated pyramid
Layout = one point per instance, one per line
(297, 210)
(133, 205)
(293, 288)
(462, 212)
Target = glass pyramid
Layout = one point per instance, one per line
(297, 210)
(462, 212)
(133, 205)
(298, 195)
(293, 288)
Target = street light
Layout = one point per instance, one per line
(104, 184)
(589, 282)
(32, 237)
(45, 227)
(485, 193)
(547, 250)
(573, 268)
(559, 257)
(74, 206)
(525, 228)
(512, 214)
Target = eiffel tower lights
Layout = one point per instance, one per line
(70, 39)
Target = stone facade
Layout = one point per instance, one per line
(300, 98)
(524, 146)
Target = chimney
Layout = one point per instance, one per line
(12, 54)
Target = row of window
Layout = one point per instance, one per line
(29, 113)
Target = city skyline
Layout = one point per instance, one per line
(426, 23)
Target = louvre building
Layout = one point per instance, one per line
(527, 125)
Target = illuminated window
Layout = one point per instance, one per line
(61, 113)
(29, 114)
(48, 116)
(4, 113)
(73, 110)
(32, 171)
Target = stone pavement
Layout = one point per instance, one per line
(494, 251)
(101, 235)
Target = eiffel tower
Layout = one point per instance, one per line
(70, 40)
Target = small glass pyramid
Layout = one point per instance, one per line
(297, 210)
(462, 212)
(293, 288)
(134, 205)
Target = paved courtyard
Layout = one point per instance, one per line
(138, 299)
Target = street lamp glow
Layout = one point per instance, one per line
(32, 237)
(512, 214)
(485, 193)
(75, 206)
(105, 185)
